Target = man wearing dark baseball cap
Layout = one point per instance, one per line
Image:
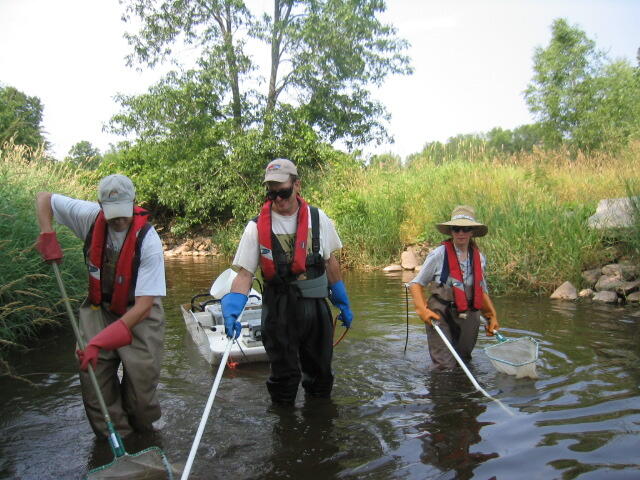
(122, 317)
(294, 246)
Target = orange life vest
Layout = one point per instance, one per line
(267, 264)
(128, 260)
(451, 267)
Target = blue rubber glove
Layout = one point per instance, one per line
(338, 296)
(232, 306)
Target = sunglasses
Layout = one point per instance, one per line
(284, 193)
(462, 229)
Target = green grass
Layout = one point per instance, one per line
(29, 296)
(536, 206)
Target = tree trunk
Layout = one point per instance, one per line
(232, 63)
(276, 38)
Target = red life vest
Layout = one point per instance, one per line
(455, 272)
(267, 265)
(124, 274)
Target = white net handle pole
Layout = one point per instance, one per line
(205, 414)
(466, 370)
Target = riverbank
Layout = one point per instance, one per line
(536, 206)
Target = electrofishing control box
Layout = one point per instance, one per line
(251, 320)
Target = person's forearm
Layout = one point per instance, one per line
(138, 312)
(242, 282)
(44, 212)
(419, 300)
(333, 270)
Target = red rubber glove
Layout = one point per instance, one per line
(112, 337)
(48, 246)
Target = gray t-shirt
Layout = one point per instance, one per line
(79, 215)
(432, 267)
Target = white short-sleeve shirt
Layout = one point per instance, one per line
(248, 253)
(79, 215)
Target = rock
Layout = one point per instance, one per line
(629, 270)
(566, 291)
(586, 293)
(612, 270)
(633, 297)
(408, 259)
(613, 213)
(606, 297)
(628, 287)
(392, 268)
(626, 270)
(590, 277)
(608, 283)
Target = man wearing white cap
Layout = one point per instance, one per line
(122, 317)
(293, 244)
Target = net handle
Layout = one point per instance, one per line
(466, 370)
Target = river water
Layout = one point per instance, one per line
(389, 418)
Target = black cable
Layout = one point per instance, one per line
(406, 293)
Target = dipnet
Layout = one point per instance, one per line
(515, 356)
(148, 464)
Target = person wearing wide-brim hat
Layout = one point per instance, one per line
(455, 270)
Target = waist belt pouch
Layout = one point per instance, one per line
(314, 288)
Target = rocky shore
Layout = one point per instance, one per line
(200, 246)
(613, 283)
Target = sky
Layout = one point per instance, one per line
(472, 61)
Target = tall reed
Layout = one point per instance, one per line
(29, 296)
(536, 206)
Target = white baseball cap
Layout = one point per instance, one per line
(116, 195)
(279, 170)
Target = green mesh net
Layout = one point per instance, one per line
(149, 464)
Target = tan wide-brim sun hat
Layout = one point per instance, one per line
(463, 216)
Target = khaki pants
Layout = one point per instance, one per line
(462, 333)
(132, 403)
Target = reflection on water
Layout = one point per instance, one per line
(390, 417)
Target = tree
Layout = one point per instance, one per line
(522, 138)
(580, 97)
(84, 155)
(323, 54)
(561, 87)
(614, 117)
(20, 118)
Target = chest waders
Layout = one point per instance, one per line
(297, 331)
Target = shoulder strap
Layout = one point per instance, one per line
(444, 274)
(315, 230)
(87, 241)
(136, 260)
